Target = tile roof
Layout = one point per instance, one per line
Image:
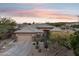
(28, 29)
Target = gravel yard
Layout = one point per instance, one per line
(6, 45)
(54, 50)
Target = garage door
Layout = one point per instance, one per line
(24, 37)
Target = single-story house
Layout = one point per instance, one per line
(26, 33)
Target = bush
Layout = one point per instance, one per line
(7, 26)
(76, 51)
(57, 24)
(75, 26)
(75, 43)
(37, 47)
(62, 37)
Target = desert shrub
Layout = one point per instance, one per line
(56, 24)
(62, 37)
(75, 43)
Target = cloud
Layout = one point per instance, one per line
(54, 13)
(44, 13)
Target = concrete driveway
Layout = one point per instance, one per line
(21, 48)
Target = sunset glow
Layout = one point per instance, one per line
(40, 12)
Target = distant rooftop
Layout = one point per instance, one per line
(42, 26)
(56, 29)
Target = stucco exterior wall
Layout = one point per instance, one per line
(24, 37)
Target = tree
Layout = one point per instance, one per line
(75, 43)
(57, 24)
(7, 26)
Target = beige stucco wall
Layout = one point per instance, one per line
(24, 37)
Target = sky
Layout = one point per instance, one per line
(40, 12)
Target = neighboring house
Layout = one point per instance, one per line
(56, 29)
(42, 26)
(72, 23)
